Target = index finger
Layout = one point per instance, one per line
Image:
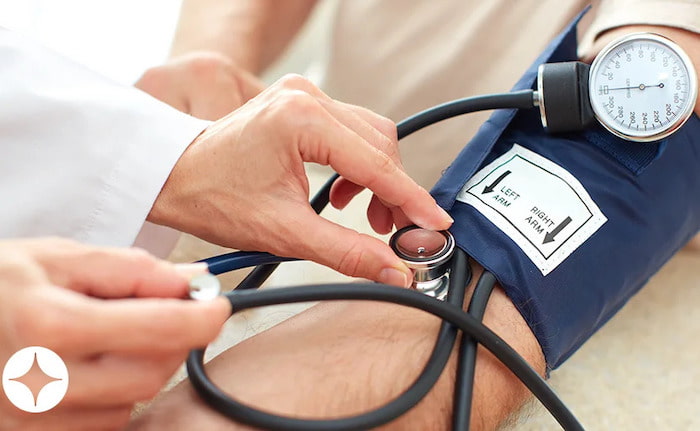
(136, 325)
(110, 272)
(360, 162)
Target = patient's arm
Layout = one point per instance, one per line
(251, 33)
(344, 358)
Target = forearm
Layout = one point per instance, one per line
(252, 33)
(345, 358)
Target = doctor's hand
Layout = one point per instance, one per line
(206, 85)
(242, 182)
(114, 316)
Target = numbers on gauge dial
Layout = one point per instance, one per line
(640, 87)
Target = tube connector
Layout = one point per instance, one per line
(562, 96)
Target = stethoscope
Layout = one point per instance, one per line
(569, 95)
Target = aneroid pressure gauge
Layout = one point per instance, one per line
(642, 87)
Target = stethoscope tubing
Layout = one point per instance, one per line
(242, 300)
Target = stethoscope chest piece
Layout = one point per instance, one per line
(428, 254)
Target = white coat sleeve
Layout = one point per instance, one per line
(82, 157)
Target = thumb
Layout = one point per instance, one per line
(350, 252)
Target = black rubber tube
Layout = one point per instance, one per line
(241, 300)
(466, 358)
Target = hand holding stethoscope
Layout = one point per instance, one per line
(254, 194)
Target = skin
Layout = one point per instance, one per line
(207, 85)
(50, 288)
(240, 30)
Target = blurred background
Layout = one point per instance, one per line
(120, 39)
(640, 372)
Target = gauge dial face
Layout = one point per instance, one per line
(642, 87)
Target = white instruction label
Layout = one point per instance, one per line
(537, 203)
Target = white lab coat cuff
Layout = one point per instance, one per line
(83, 157)
(137, 180)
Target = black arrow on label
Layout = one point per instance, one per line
(549, 236)
(489, 189)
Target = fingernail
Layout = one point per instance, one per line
(444, 222)
(446, 217)
(394, 277)
(190, 270)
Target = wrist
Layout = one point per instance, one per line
(167, 209)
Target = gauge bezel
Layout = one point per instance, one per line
(692, 86)
(433, 259)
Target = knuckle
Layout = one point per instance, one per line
(142, 257)
(388, 147)
(295, 81)
(136, 259)
(154, 81)
(18, 269)
(297, 108)
(152, 76)
(386, 164)
(351, 260)
(384, 170)
(298, 100)
(388, 128)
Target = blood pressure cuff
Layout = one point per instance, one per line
(571, 225)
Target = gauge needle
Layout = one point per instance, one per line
(640, 87)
